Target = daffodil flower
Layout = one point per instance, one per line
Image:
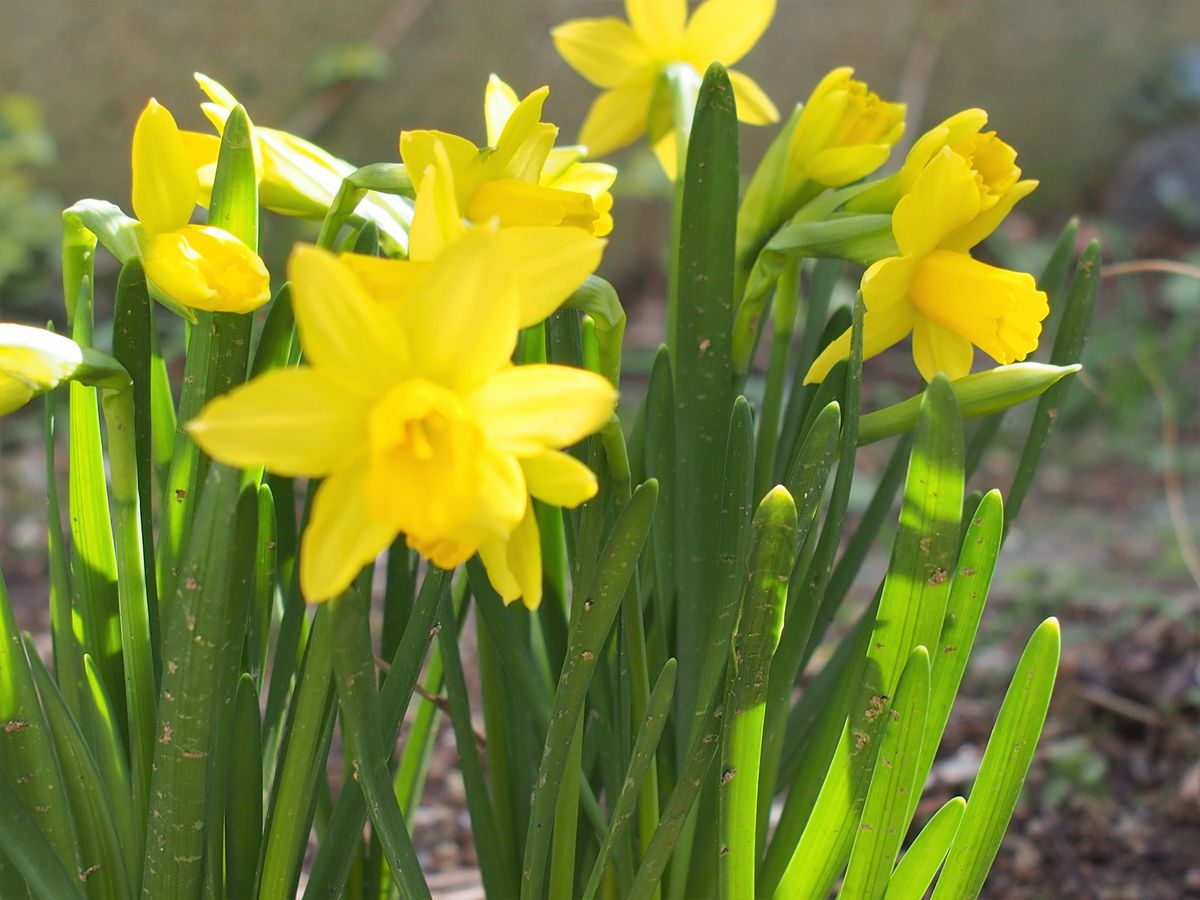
(993, 161)
(296, 177)
(545, 263)
(844, 133)
(628, 59)
(564, 168)
(949, 302)
(199, 266)
(503, 181)
(33, 361)
(414, 417)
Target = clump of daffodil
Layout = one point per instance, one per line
(949, 302)
(296, 177)
(409, 409)
(198, 266)
(629, 60)
(503, 181)
(33, 361)
(545, 263)
(564, 168)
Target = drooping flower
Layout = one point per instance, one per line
(411, 412)
(844, 133)
(565, 168)
(199, 266)
(949, 302)
(296, 177)
(628, 59)
(992, 160)
(33, 361)
(504, 181)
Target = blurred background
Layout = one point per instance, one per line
(1100, 97)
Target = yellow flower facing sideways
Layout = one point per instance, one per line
(564, 168)
(200, 266)
(503, 182)
(409, 409)
(33, 361)
(844, 133)
(628, 59)
(296, 177)
(949, 302)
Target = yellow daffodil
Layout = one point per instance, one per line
(199, 266)
(296, 177)
(564, 168)
(949, 302)
(503, 182)
(411, 412)
(993, 161)
(33, 361)
(844, 133)
(545, 263)
(628, 59)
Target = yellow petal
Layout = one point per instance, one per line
(725, 30)
(296, 422)
(341, 536)
(515, 203)
(33, 360)
(499, 101)
(886, 282)
(881, 329)
(938, 349)
(839, 166)
(526, 141)
(616, 119)
(944, 198)
(436, 218)
(986, 222)
(753, 105)
(659, 23)
(955, 128)
(389, 282)
(995, 309)
(207, 268)
(165, 187)
(299, 178)
(559, 479)
(217, 92)
(525, 558)
(666, 149)
(528, 409)
(494, 556)
(346, 334)
(591, 178)
(202, 150)
(504, 495)
(607, 52)
(548, 264)
(418, 154)
(461, 322)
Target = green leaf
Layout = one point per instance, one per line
(757, 636)
(981, 394)
(894, 783)
(599, 299)
(29, 850)
(914, 874)
(244, 793)
(193, 635)
(1005, 763)
(354, 666)
(1068, 350)
(648, 736)
(110, 756)
(910, 614)
(589, 630)
(27, 754)
(102, 862)
(699, 333)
